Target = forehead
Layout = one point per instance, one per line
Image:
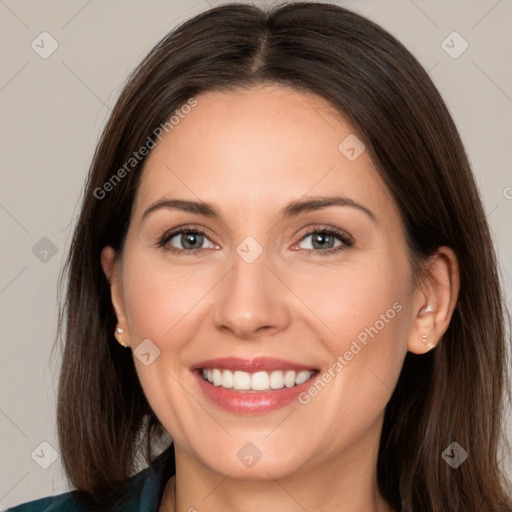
(259, 148)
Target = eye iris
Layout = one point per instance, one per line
(189, 239)
(321, 238)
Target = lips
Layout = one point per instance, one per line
(248, 400)
(266, 364)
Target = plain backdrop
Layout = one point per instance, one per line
(53, 107)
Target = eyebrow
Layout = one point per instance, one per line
(293, 209)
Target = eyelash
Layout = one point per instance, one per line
(345, 238)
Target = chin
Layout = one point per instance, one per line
(245, 461)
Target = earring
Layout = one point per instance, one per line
(426, 343)
(116, 335)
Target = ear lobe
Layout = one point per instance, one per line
(111, 268)
(434, 302)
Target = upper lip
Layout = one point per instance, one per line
(250, 365)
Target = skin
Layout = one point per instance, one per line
(250, 152)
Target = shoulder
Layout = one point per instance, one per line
(142, 492)
(60, 502)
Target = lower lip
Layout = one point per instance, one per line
(255, 402)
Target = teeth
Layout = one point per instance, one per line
(289, 379)
(241, 380)
(217, 377)
(259, 381)
(227, 379)
(302, 377)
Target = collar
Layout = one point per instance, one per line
(146, 488)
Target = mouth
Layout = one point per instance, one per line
(261, 381)
(253, 386)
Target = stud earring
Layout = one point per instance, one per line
(426, 343)
(116, 335)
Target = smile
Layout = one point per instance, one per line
(258, 381)
(253, 386)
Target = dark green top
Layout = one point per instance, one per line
(145, 490)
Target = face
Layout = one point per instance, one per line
(266, 287)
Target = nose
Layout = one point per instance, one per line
(253, 300)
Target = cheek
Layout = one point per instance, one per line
(159, 300)
(364, 312)
(158, 296)
(355, 298)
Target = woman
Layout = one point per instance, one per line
(282, 231)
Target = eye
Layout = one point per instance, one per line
(190, 240)
(323, 241)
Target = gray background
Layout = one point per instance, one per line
(52, 110)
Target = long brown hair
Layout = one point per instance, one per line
(455, 393)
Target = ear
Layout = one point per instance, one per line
(434, 302)
(112, 269)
